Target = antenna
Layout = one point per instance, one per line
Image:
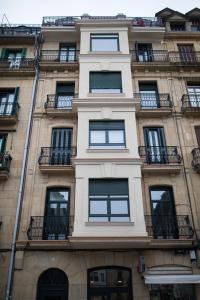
(5, 17)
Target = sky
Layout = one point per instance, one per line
(32, 11)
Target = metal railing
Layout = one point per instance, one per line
(161, 226)
(191, 102)
(150, 56)
(5, 160)
(153, 100)
(17, 64)
(56, 156)
(160, 154)
(196, 159)
(61, 56)
(61, 101)
(71, 20)
(8, 109)
(19, 30)
(184, 58)
(50, 227)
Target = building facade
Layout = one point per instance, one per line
(100, 159)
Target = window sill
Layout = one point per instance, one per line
(107, 150)
(107, 95)
(104, 52)
(109, 223)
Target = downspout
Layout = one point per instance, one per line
(9, 286)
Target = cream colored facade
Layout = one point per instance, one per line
(149, 56)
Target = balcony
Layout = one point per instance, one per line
(60, 105)
(8, 112)
(18, 33)
(25, 66)
(191, 58)
(168, 230)
(150, 57)
(56, 160)
(51, 59)
(191, 104)
(160, 160)
(5, 160)
(153, 105)
(196, 159)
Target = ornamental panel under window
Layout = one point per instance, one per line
(105, 82)
(108, 200)
(107, 134)
(104, 42)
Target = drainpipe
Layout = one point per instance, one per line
(8, 295)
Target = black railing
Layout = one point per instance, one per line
(169, 226)
(17, 64)
(5, 160)
(160, 155)
(150, 56)
(70, 56)
(56, 156)
(19, 30)
(61, 101)
(184, 58)
(71, 20)
(153, 101)
(196, 159)
(50, 227)
(8, 109)
(191, 103)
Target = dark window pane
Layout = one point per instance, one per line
(105, 82)
(108, 187)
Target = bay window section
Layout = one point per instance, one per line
(109, 134)
(108, 200)
(104, 42)
(105, 82)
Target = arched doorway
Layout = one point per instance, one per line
(110, 283)
(52, 285)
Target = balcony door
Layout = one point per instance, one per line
(155, 145)
(197, 131)
(61, 146)
(8, 101)
(64, 95)
(163, 213)
(149, 95)
(144, 52)
(2, 142)
(56, 219)
(187, 53)
(67, 52)
(194, 95)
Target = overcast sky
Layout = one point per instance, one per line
(32, 11)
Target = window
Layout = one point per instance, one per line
(186, 53)
(105, 82)
(194, 94)
(107, 133)
(172, 291)
(14, 56)
(8, 101)
(67, 52)
(3, 138)
(149, 95)
(177, 26)
(104, 42)
(108, 200)
(64, 95)
(144, 52)
(109, 283)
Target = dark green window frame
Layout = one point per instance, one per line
(104, 82)
(108, 191)
(104, 36)
(3, 139)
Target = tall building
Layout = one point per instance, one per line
(100, 158)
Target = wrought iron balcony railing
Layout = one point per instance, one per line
(169, 227)
(153, 101)
(8, 109)
(71, 20)
(184, 58)
(61, 101)
(50, 227)
(191, 103)
(60, 56)
(56, 156)
(196, 159)
(17, 64)
(150, 56)
(19, 30)
(160, 155)
(5, 160)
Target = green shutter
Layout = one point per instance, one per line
(24, 52)
(105, 80)
(16, 94)
(108, 187)
(107, 125)
(3, 53)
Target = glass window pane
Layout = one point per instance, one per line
(104, 44)
(97, 137)
(119, 207)
(116, 136)
(58, 196)
(98, 219)
(119, 219)
(98, 207)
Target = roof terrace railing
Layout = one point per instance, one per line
(19, 29)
